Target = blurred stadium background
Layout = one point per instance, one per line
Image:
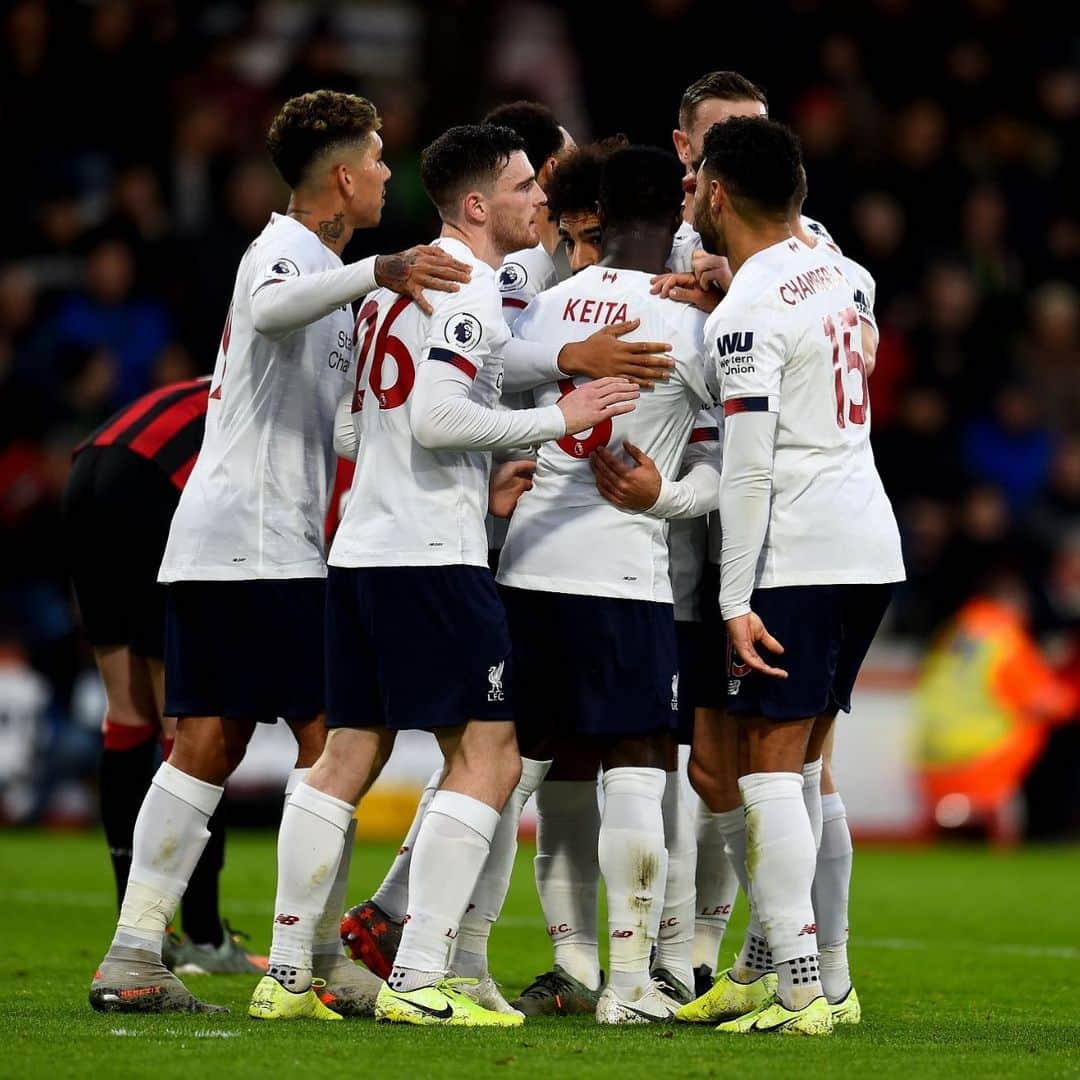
(942, 152)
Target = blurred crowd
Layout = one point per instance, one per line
(941, 148)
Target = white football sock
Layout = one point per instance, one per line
(780, 864)
(393, 894)
(170, 834)
(633, 861)
(451, 848)
(754, 959)
(295, 778)
(811, 793)
(675, 940)
(831, 884)
(310, 845)
(470, 948)
(717, 884)
(568, 873)
(327, 939)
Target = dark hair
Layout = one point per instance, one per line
(535, 123)
(723, 85)
(575, 184)
(311, 124)
(465, 157)
(759, 160)
(641, 183)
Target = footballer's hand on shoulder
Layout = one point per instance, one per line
(422, 267)
(596, 402)
(712, 271)
(606, 355)
(630, 486)
(686, 289)
(746, 632)
(509, 481)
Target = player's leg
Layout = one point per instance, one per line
(673, 962)
(778, 716)
(567, 875)
(130, 751)
(633, 862)
(715, 765)
(371, 930)
(863, 609)
(170, 835)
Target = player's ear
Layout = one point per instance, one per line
(682, 145)
(474, 208)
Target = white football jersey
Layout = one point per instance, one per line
(255, 503)
(685, 243)
(786, 340)
(410, 506)
(523, 275)
(858, 275)
(565, 536)
(687, 537)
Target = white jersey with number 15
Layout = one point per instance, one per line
(786, 340)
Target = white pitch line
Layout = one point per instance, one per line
(64, 898)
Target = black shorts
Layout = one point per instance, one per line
(245, 649)
(117, 510)
(826, 631)
(591, 665)
(692, 639)
(415, 647)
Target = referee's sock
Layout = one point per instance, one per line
(128, 760)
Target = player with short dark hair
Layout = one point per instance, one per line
(416, 633)
(810, 544)
(246, 541)
(573, 559)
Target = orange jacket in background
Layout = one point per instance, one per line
(985, 702)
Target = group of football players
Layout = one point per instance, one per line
(590, 520)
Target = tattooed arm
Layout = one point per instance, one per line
(419, 268)
(281, 305)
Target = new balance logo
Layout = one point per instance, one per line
(287, 920)
(622, 933)
(495, 678)
(809, 928)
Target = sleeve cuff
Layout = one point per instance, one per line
(733, 610)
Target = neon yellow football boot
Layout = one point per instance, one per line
(847, 1010)
(726, 999)
(445, 1003)
(775, 1018)
(271, 1001)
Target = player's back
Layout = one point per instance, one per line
(786, 340)
(256, 498)
(410, 505)
(564, 535)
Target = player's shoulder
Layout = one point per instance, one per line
(528, 270)
(480, 289)
(817, 230)
(293, 247)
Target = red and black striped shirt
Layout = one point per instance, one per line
(165, 427)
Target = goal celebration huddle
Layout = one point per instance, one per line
(591, 519)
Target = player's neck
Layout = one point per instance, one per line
(325, 219)
(549, 232)
(797, 230)
(744, 240)
(643, 247)
(478, 241)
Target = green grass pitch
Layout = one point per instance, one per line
(967, 963)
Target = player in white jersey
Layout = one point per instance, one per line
(246, 544)
(416, 634)
(573, 560)
(371, 930)
(810, 544)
